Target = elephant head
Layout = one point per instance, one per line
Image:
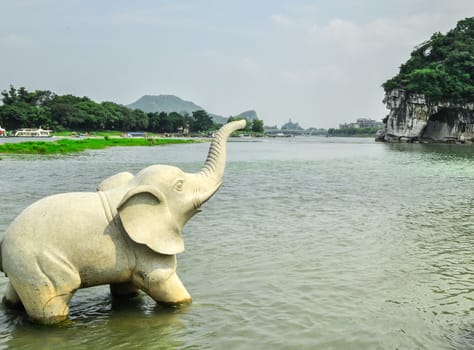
(155, 204)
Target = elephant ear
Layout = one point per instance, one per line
(146, 218)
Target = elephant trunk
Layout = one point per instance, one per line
(213, 169)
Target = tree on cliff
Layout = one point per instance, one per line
(441, 68)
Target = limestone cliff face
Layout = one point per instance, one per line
(412, 118)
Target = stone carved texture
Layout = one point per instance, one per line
(412, 118)
(126, 234)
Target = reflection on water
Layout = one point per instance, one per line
(98, 323)
(310, 243)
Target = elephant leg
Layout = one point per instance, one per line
(51, 311)
(170, 291)
(126, 289)
(43, 302)
(11, 298)
(46, 296)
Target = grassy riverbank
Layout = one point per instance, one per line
(73, 146)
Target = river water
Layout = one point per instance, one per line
(311, 243)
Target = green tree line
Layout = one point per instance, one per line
(441, 68)
(25, 109)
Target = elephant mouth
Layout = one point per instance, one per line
(196, 211)
(202, 197)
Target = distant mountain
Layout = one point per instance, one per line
(164, 103)
(171, 103)
(218, 118)
(249, 115)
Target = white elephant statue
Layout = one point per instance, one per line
(126, 234)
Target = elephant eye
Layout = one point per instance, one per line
(178, 186)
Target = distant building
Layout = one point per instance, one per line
(271, 127)
(289, 129)
(362, 123)
(291, 126)
(368, 123)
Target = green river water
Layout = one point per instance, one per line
(311, 243)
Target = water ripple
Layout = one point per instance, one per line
(310, 243)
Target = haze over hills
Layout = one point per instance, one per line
(249, 115)
(172, 103)
(164, 103)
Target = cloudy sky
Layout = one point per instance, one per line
(318, 62)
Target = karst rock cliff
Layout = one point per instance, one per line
(411, 118)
